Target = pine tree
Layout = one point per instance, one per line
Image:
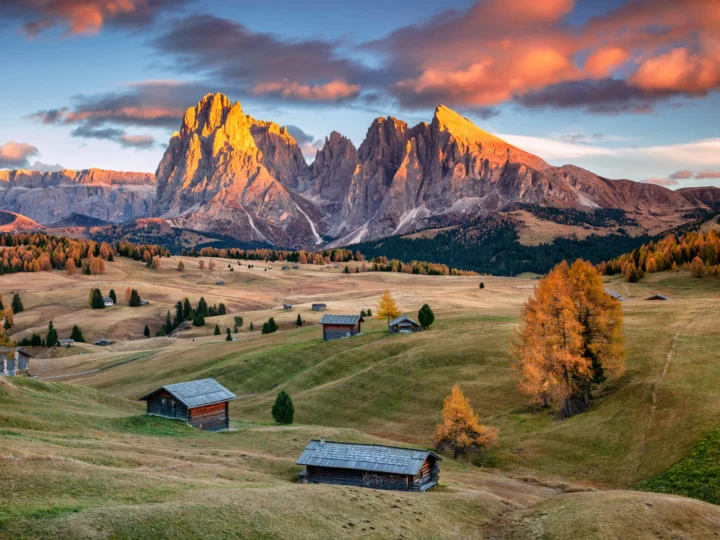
(97, 301)
(179, 313)
(283, 411)
(369, 313)
(273, 325)
(426, 316)
(265, 328)
(238, 321)
(221, 309)
(482, 285)
(168, 324)
(199, 320)
(252, 328)
(52, 336)
(347, 270)
(228, 335)
(299, 321)
(77, 335)
(187, 309)
(387, 309)
(112, 295)
(134, 298)
(202, 307)
(146, 332)
(17, 305)
(2, 306)
(217, 330)
(363, 313)
(461, 430)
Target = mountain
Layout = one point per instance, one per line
(699, 196)
(48, 197)
(226, 172)
(11, 222)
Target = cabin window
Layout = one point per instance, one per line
(167, 407)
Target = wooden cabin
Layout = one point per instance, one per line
(108, 302)
(369, 465)
(319, 307)
(202, 404)
(287, 307)
(658, 297)
(14, 361)
(66, 343)
(404, 325)
(103, 342)
(340, 326)
(614, 295)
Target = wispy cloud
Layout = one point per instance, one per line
(14, 155)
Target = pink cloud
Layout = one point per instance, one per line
(15, 155)
(685, 174)
(335, 90)
(707, 174)
(661, 181)
(605, 61)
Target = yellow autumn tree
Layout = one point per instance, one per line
(697, 267)
(570, 338)
(181, 266)
(461, 431)
(387, 309)
(70, 268)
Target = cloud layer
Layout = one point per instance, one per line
(14, 155)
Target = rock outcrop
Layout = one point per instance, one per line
(49, 197)
(229, 173)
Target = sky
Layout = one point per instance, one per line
(625, 88)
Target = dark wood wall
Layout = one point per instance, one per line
(213, 417)
(428, 475)
(164, 404)
(339, 331)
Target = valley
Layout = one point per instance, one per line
(84, 460)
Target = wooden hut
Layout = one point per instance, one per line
(103, 342)
(14, 361)
(614, 295)
(66, 343)
(657, 297)
(404, 325)
(319, 307)
(370, 465)
(203, 404)
(340, 326)
(287, 307)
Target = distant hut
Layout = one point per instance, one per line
(319, 307)
(14, 361)
(369, 465)
(615, 295)
(103, 342)
(109, 302)
(296, 267)
(287, 307)
(340, 326)
(144, 302)
(657, 297)
(219, 282)
(202, 404)
(66, 342)
(404, 325)
(285, 268)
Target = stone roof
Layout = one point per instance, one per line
(364, 457)
(349, 320)
(402, 318)
(196, 393)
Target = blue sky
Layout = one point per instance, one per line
(626, 89)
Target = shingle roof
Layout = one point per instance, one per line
(365, 457)
(658, 297)
(402, 318)
(340, 319)
(615, 295)
(196, 393)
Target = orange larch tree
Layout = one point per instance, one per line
(461, 430)
(570, 338)
(387, 309)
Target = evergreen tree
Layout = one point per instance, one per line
(199, 320)
(283, 411)
(265, 328)
(202, 307)
(238, 321)
(77, 335)
(221, 309)
(482, 285)
(110, 257)
(112, 295)
(217, 330)
(97, 301)
(146, 332)
(2, 307)
(347, 270)
(35, 340)
(179, 313)
(299, 321)
(7, 325)
(369, 313)
(134, 299)
(52, 336)
(228, 335)
(426, 317)
(252, 328)
(17, 305)
(363, 313)
(187, 309)
(168, 324)
(273, 325)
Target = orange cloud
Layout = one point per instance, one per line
(605, 61)
(15, 155)
(335, 90)
(680, 70)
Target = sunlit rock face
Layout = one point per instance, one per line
(228, 173)
(49, 197)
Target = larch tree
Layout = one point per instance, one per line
(128, 295)
(570, 338)
(461, 430)
(387, 309)
(70, 268)
(181, 266)
(697, 267)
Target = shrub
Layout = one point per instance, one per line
(283, 411)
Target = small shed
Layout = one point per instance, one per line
(287, 307)
(296, 267)
(103, 342)
(202, 404)
(404, 325)
(615, 295)
(369, 465)
(285, 268)
(14, 361)
(219, 282)
(658, 297)
(340, 326)
(66, 342)
(109, 302)
(319, 307)
(144, 302)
